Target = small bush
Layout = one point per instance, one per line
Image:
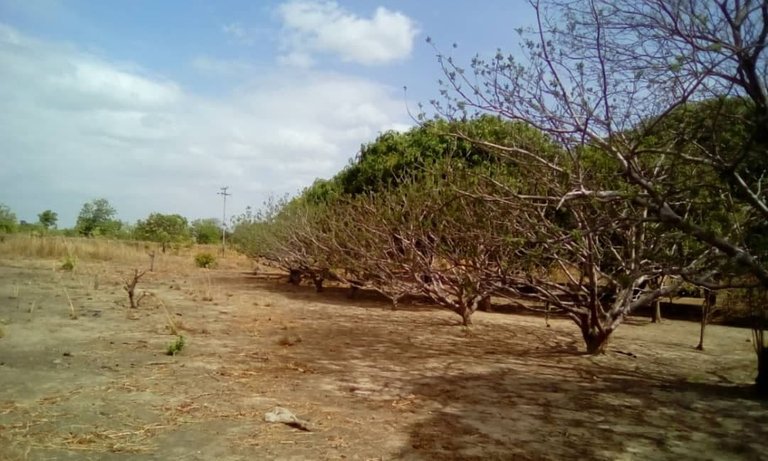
(205, 260)
(176, 346)
(69, 263)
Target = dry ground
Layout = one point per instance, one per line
(373, 383)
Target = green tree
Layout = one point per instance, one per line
(97, 217)
(206, 231)
(8, 221)
(48, 219)
(395, 157)
(163, 228)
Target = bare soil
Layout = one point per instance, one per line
(373, 383)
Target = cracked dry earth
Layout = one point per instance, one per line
(373, 383)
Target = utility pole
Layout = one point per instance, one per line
(224, 195)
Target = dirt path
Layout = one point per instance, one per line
(374, 384)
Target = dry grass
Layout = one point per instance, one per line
(72, 313)
(38, 431)
(134, 253)
(26, 246)
(172, 327)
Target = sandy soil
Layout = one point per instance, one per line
(373, 384)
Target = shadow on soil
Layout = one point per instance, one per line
(519, 415)
(366, 298)
(528, 394)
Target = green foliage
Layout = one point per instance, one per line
(175, 347)
(206, 231)
(70, 263)
(205, 260)
(394, 156)
(48, 219)
(163, 228)
(8, 221)
(97, 218)
(283, 231)
(30, 228)
(705, 193)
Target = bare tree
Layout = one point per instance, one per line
(422, 238)
(589, 259)
(614, 75)
(283, 234)
(129, 285)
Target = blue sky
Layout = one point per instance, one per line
(156, 104)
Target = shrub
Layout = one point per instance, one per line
(69, 263)
(176, 346)
(205, 260)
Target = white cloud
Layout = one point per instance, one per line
(215, 67)
(246, 35)
(311, 26)
(76, 127)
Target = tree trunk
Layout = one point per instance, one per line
(706, 308)
(485, 304)
(597, 342)
(656, 312)
(318, 281)
(596, 339)
(294, 277)
(704, 315)
(466, 316)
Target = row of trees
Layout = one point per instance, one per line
(99, 218)
(9, 223)
(673, 95)
(634, 150)
(465, 220)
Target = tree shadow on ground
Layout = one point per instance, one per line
(338, 294)
(605, 413)
(332, 294)
(530, 393)
(501, 392)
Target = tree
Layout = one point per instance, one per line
(421, 238)
(608, 74)
(586, 258)
(206, 231)
(163, 228)
(8, 221)
(48, 219)
(282, 234)
(97, 217)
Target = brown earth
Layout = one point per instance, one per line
(373, 383)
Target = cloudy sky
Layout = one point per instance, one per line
(155, 105)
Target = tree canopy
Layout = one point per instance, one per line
(48, 219)
(163, 228)
(97, 217)
(8, 221)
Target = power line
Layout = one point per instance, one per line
(223, 192)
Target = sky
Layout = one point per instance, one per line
(156, 105)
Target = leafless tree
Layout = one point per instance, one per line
(129, 285)
(612, 75)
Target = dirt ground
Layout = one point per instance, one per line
(92, 381)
